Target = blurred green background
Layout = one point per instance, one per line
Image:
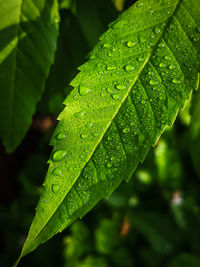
(154, 220)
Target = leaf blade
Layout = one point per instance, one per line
(25, 59)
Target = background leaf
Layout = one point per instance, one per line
(195, 131)
(28, 31)
(139, 75)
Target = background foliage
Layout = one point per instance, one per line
(153, 220)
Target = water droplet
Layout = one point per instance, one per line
(109, 54)
(153, 82)
(167, 57)
(161, 45)
(84, 136)
(79, 114)
(109, 90)
(176, 81)
(83, 90)
(55, 188)
(110, 68)
(172, 67)
(129, 68)
(95, 134)
(86, 150)
(120, 87)
(115, 97)
(140, 59)
(130, 44)
(102, 94)
(118, 24)
(60, 136)
(157, 30)
(107, 45)
(89, 124)
(109, 165)
(57, 171)
(139, 4)
(112, 158)
(126, 130)
(59, 155)
(161, 65)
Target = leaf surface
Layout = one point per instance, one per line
(28, 33)
(138, 76)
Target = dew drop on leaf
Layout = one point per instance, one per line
(115, 97)
(153, 82)
(126, 130)
(89, 124)
(172, 67)
(157, 30)
(139, 4)
(84, 136)
(109, 90)
(59, 155)
(120, 87)
(83, 90)
(161, 65)
(95, 134)
(60, 136)
(176, 81)
(130, 44)
(57, 171)
(79, 114)
(110, 68)
(118, 24)
(107, 45)
(55, 188)
(129, 68)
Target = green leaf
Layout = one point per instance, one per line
(28, 33)
(195, 132)
(139, 75)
